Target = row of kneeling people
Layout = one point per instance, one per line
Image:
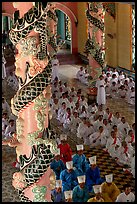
(76, 179)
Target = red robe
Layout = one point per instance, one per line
(65, 152)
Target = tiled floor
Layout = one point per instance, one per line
(66, 73)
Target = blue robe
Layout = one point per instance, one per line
(69, 180)
(55, 165)
(80, 194)
(93, 177)
(57, 197)
(81, 164)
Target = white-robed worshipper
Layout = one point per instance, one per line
(59, 93)
(98, 122)
(131, 96)
(107, 130)
(101, 94)
(104, 74)
(109, 71)
(112, 144)
(84, 78)
(71, 103)
(130, 138)
(92, 109)
(77, 98)
(121, 76)
(118, 85)
(127, 195)
(80, 192)
(98, 196)
(81, 128)
(133, 166)
(88, 131)
(13, 81)
(10, 129)
(131, 83)
(54, 108)
(74, 123)
(126, 85)
(5, 123)
(123, 126)
(107, 87)
(61, 112)
(66, 119)
(66, 88)
(68, 196)
(55, 67)
(95, 138)
(83, 102)
(118, 133)
(126, 78)
(80, 74)
(54, 87)
(114, 79)
(114, 71)
(5, 107)
(77, 108)
(4, 75)
(100, 111)
(122, 92)
(83, 113)
(116, 119)
(108, 115)
(64, 99)
(72, 93)
(109, 189)
(109, 77)
(113, 90)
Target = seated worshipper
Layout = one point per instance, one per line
(107, 87)
(74, 123)
(88, 131)
(52, 99)
(57, 194)
(124, 154)
(71, 104)
(114, 79)
(66, 88)
(131, 83)
(55, 108)
(118, 133)
(84, 78)
(55, 66)
(5, 107)
(106, 130)
(4, 74)
(92, 109)
(60, 84)
(66, 119)
(80, 192)
(130, 138)
(98, 196)
(116, 119)
(109, 77)
(83, 102)
(122, 92)
(83, 113)
(118, 85)
(68, 177)
(126, 78)
(109, 189)
(68, 196)
(10, 129)
(77, 99)
(100, 111)
(127, 195)
(54, 87)
(123, 127)
(72, 93)
(59, 93)
(104, 74)
(121, 76)
(4, 123)
(112, 144)
(81, 128)
(131, 96)
(101, 94)
(93, 174)
(77, 108)
(108, 115)
(113, 90)
(126, 85)
(95, 138)
(80, 74)
(13, 81)
(57, 164)
(80, 162)
(65, 149)
(61, 112)
(64, 99)
(98, 122)
(114, 71)
(109, 71)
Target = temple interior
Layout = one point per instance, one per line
(77, 34)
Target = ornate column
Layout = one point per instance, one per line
(94, 47)
(34, 146)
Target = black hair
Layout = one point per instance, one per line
(126, 186)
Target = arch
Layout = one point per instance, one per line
(7, 14)
(74, 21)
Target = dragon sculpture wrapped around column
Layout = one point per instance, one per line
(34, 38)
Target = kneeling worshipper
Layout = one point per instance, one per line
(79, 161)
(68, 177)
(57, 194)
(68, 196)
(109, 189)
(65, 149)
(131, 96)
(93, 174)
(127, 195)
(96, 138)
(80, 192)
(98, 196)
(57, 164)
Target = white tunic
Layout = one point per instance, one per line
(4, 75)
(80, 74)
(61, 113)
(87, 133)
(122, 126)
(122, 197)
(81, 130)
(97, 124)
(131, 98)
(74, 124)
(95, 139)
(116, 121)
(101, 94)
(9, 129)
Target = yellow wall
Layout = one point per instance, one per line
(82, 26)
(119, 48)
